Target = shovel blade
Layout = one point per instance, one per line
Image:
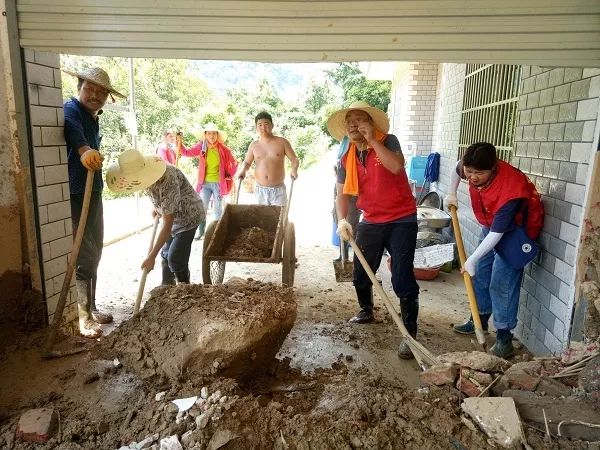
(343, 271)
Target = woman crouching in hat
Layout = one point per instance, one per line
(216, 167)
(174, 200)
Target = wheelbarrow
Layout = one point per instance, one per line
(272, 219)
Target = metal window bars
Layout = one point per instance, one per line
(489, 111)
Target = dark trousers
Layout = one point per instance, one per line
(176, 253)
(90, 251)
(399, 239)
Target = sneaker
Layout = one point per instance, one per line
(503, 348)
(404, 351)
(363, 316)
(469, 326)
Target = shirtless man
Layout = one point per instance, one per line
(268, 154)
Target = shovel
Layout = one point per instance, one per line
(343, 268)
(468, 282)
(62, 299)
(423, 356)
(138, 299)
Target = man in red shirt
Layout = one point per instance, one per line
(373, 170)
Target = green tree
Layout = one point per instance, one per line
(357, 87)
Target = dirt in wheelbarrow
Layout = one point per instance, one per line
(252, 242)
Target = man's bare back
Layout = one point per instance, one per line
(268, 153)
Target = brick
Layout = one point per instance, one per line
(541, 81)
(547, 261)
(556, 131)
(552, 343)
(47, 59)
(525, 164)
(548, 204)
(29, 55)
(528, 132)
(551, 169)
(521, 148)
(59, 211)
(546, 97)
(570, 234)
(43, 116)
(537, 167)
(61, 247)
(522, 103)
(542, 184)
(518, 133)
(528, 85)
(41, 75)
(590, 72)
(581, 174)
(546, 150)
(542, 294)
(51, 303)
(562, 211)
(57, 78)
(521, 379)
(37, 425)
(36, 136)
(567, 112)
(43, 214)
(39, 176)
(56, 174)
(580, 152)
(52, 231)
(552, 224)
(68, 227)
(575, 193)
(60, 117)
(64, 157)
(587, 109)
(50, 96)
(440, 375)
(32, 93)
(556, 77)
(562, 151)
(45, 252)
(525, 117)
(567, 171)
(50, 194)
(537, 116)
(525, 72)
(533, 100)
(45, 156)
(533, 149)
(573, 74)
(468, 387)
(587, 135)
(580, 90)
(574, 131)
(595, 87)
(66, 191)
(551, 114)
(561, 94)
(535, 70)
(53, 136)
(55, 267)
(541, 132)
(559, 308)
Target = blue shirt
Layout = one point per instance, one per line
(81, 129)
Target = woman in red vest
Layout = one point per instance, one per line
(216, 167)
(508, 207)
(373, 170)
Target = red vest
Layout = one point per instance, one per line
(382, 196)
(508, 184)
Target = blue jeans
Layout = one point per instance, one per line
(497, 287)
(214, 190)
(176, 255)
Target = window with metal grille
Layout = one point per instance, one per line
(490, 107)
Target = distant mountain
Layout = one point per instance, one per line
(290, 80)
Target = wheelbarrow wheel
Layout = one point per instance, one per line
(288, 260)
(213, 271)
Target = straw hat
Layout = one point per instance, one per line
(222, 135)
(97, 76)
(134, 172)
(337, 127)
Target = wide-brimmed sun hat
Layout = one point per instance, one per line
(97, 76)
(222, 135)
(337, 127)
(134, 172)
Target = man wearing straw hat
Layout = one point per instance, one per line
(82, 134)
(174, 199)
(373, 170)
(216, 168)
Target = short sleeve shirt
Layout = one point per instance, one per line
(173, 194)
(391, 143)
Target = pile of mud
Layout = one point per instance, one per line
(253, 242)
(189, 330)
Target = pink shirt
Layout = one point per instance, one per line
(167, 154)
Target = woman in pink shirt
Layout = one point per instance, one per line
(216, 167)
(167, 148)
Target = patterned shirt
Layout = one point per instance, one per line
(173, 194)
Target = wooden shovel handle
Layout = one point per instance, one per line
(140, 293)
(71, 264)
(462, 256)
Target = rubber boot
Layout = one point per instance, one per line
(87, 327)
(99, 317)
(365, 301)
(168, 277)
(469, 326)
(201, 229)
(409, 308)
(183, 277)
(503, 347)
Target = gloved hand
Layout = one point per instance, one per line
(451, 200)
(344, 230)
(470, 266)
(92, 159)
